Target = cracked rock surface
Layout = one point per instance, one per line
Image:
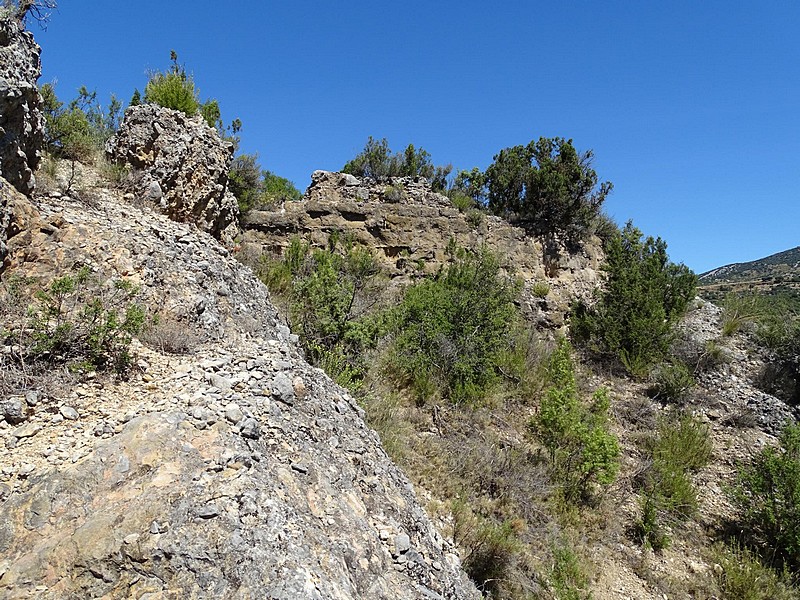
(21, 118)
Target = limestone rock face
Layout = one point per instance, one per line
(183, 166)
(21, 119)
(409, 226)
(236, 471)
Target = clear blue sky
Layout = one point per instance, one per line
(692, 108)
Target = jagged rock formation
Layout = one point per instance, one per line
(409, 225)
(238, 471)
(182, 167)
(21, 119)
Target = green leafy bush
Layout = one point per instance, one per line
(581, 449)
(394, 193)
(257, 188)
(540, 289)
(330, 294)
(645, 294)
(767, 493)
(567, 577)
(469, 185)
(672, 381)
(680, 448)
(173, 89)
(78, 322)
(547, 185)
(461, 201)
(79, 130)
(451, 330)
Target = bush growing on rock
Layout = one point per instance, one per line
(78, 322)
(173, 89)
(176, 89)
(378, 162)
(644, 296)
(547, 185)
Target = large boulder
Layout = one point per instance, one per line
(182, 165)
(21, 119)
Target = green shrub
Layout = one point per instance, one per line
(451, 330)
(581, 449)
(78, 131)
(394, 193)
(257, 188)
(173, 89)
(548, 186)
(475, 217)
(740, 310)
(488, 548)
(469, 185)
(672, 381)
(567, 577)
(712, 356)
(329, 293)
(742, 576)
(540, 289)
(377, 162)
(461, 201)
(767, 493)
(76, 321)
(645, 294)
(278, 189)
(680, 448)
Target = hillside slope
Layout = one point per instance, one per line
(235, 471)
(781, 265)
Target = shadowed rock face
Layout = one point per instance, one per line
(21, 119)
(182, 165)
(238, 471)
(408, 225)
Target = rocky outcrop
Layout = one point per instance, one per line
(17, 216)
(21, 119)
(409, 226)
(181, 166)
(236, 472)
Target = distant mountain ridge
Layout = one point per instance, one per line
(781, 266)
